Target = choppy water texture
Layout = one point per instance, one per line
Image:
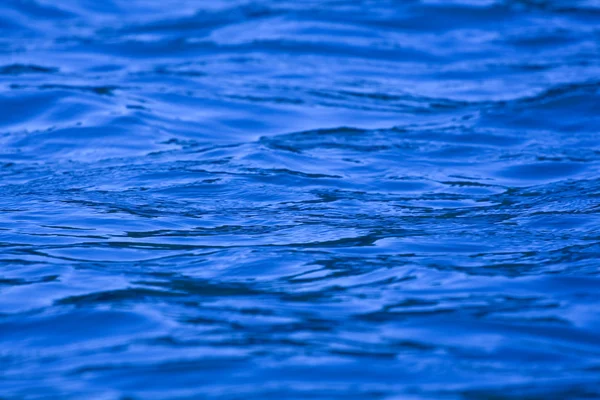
(299, 199)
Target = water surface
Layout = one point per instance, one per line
(299, 199)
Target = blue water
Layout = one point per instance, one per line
(375, 199)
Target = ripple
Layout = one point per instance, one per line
(50, 331)
(542, 171)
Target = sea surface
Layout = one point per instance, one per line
(354, 199)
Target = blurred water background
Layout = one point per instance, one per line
(357, 199)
